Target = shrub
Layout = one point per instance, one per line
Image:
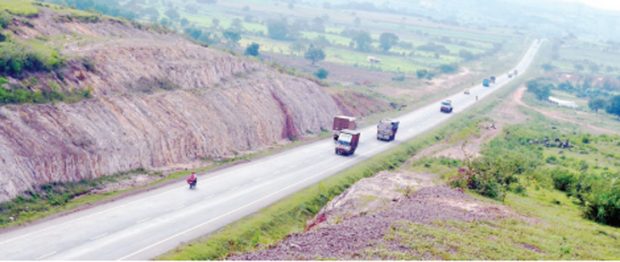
(563, 180)
(252, 49)
(16, 58)
(5, 19)
(321, 73)
(603, 204)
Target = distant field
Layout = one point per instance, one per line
(415, 31)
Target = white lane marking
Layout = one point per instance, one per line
(46, 255)
(233, 211)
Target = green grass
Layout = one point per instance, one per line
(19, 7)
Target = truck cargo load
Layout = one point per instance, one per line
(341, 123)
(347, 142)
(386, 129)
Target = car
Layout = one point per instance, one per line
(466, 92)
(446, 106)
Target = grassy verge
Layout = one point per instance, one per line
(290, 214)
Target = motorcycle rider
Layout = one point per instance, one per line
(192, 180)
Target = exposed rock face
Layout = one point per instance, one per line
(158, 100)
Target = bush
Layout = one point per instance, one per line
(603, 203)
(563, 180)
(5, 19)
(540, 89)
(321, 73)
(252, 50)
(17, 58)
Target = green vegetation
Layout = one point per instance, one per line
(321, 73)
(387, 41)
(21, 7)
(22, 96)
(541, 89)
(314, 54)
(584, 166)
(558, 233)
(18, 57)
(252, 50)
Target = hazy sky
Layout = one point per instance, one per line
(603, 4)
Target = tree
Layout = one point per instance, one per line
(614, 106)
(388, 40)
(362, 41)
(278, 30)
(314, 54)
(232, 38)
(542, 91)
(597, 104)
(252, 49)
(321, 73)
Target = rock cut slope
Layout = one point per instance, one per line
(158, 100)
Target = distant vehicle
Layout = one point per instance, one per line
(341, 123)
(466, 92)
(446, 106)
(516, 72)
(386, 129)
(486, 82)
(492, 78)
(347, 142)
(509, 75)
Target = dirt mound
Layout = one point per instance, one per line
(349, 239)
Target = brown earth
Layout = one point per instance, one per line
(159, 101)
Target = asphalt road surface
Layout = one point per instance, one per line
(148, 224)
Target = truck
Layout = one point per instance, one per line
(446, 106)
(486, 82)
(492, 78)
(386, 129)
(347, 142)
(342, 123)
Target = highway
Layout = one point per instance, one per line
(145, 225)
